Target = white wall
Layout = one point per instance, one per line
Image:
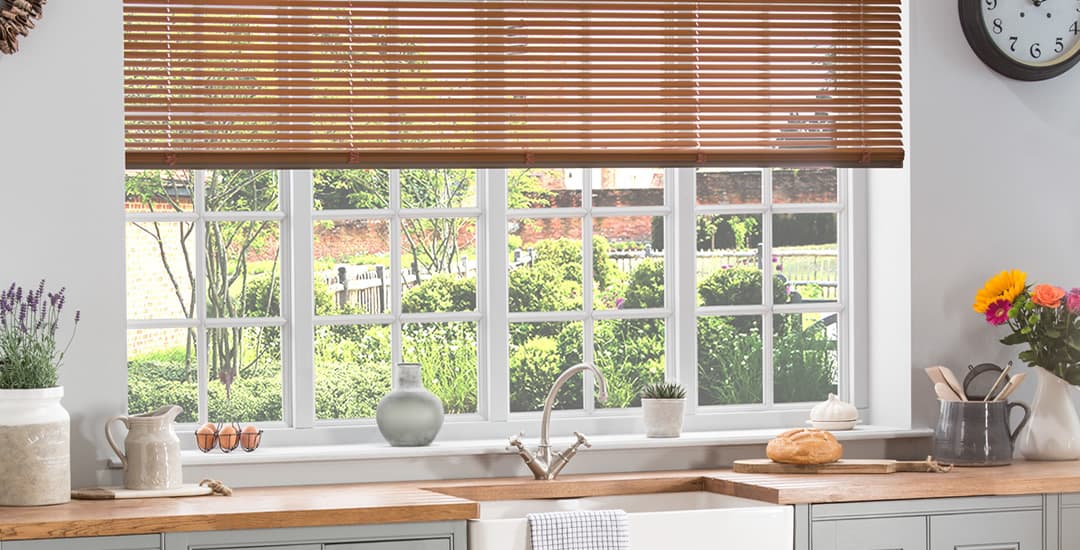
(994, 186)
(61, 198)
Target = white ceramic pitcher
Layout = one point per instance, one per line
(151, 455)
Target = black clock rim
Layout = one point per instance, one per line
(971, 21)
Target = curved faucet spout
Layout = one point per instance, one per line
(549, 403)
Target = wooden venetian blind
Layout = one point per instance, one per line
(323, 83)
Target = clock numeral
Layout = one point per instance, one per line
(1035, 51)
(1075, 28)
(997, 26)
(1012, 43)
(1059, 46)
(991, 4)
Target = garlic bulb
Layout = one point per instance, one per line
(834, 410)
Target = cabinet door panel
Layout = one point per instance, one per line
(1070, 528)
(431, 544)
(869, 534)
(987, 531)
(131, 542)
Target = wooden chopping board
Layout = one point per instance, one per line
(117, 493)
(877, 466)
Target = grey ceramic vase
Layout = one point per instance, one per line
(409, 416)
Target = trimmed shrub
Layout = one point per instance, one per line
(442, 292)
(645, 289)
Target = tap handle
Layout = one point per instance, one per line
(516, 443)
(582, 440)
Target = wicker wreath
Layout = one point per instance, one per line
(16, 19)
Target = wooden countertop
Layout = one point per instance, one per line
(358, 504)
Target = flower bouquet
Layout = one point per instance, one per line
(1047, 319)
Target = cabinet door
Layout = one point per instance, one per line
(1069, 522)
(904, 533)
(987, 531)
(430, 544)
(131, 542)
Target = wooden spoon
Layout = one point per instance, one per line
(934, 373)
(953, 383)
(1010, 387)
(945, 393)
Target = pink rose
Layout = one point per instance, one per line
(1072, 301)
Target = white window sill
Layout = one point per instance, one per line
(383, 451)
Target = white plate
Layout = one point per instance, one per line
(833, 425)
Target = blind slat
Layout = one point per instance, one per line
(399, 83)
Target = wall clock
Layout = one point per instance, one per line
(1023, 39)
(16, 19)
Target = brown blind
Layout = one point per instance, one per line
(324, 83)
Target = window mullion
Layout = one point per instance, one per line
(395, 273)
(767, 290)
(589, 353)
(201, 343)
(495, 308)
(684, 273)
(300, 297)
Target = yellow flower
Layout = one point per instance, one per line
(1006, 285)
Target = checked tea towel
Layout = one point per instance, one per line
(580, 530)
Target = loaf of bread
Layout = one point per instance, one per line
(804, 446)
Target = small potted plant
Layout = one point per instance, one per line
(663, 405)
(34, 427)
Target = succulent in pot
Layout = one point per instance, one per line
(663, 405)
(34, 426)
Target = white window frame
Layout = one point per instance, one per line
(493, 419)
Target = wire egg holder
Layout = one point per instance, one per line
(228, 442)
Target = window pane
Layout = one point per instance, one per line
(728, 186)
(630, 353)
(241, 190)
(163, 370)
(244, 374)
(159, 191)
(350, 189)
(805, 255)
(804, 185)
(628, 262)
(729, 360)
(447, 353)
(242, 272)
(352, 267)
(438, 260)
(438, 188)
(539, 353)
(804, 357)
(628, 187)
(352, 370)
(160, 270)
(543, 187)
(728, 260)
(545, 264)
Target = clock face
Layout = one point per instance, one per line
(1036, 33)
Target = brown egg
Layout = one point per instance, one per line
(250, 437)
(228, 437)
(206, 437)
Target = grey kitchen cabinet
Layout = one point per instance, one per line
(870, 534)
(129, 542)
(1067, 522)
(449, 535)
(966, 523)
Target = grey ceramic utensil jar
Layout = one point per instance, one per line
(976, 433)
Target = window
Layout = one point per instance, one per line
(286, 297)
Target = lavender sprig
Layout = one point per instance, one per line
(29, 322)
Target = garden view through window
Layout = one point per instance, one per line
(483, 277)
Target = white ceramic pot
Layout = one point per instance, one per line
(409, 416)
(35, 448)
(1053, 433)
(663, 417)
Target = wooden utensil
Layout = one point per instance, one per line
(882, 466)
(1010, 387)
(117, 493)
(953, 383)
(935, 375)
(945, 393)
(1004, 373)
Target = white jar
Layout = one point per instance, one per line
(663, 417)
(35, 440)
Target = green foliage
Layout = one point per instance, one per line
(29, 322)
(352, 370)
(448, 357)
(663, 390)
(539, 288)
(1052, 336)
(804, 362)
(439, 294)
(645, 289)
(349, 189)
(605, 271)
(729, 363)
(534, 366)
(525, 188)
(630, 353)
(739, 285)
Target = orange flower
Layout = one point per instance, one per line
(1047, 296)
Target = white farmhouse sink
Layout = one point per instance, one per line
(684, 521)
